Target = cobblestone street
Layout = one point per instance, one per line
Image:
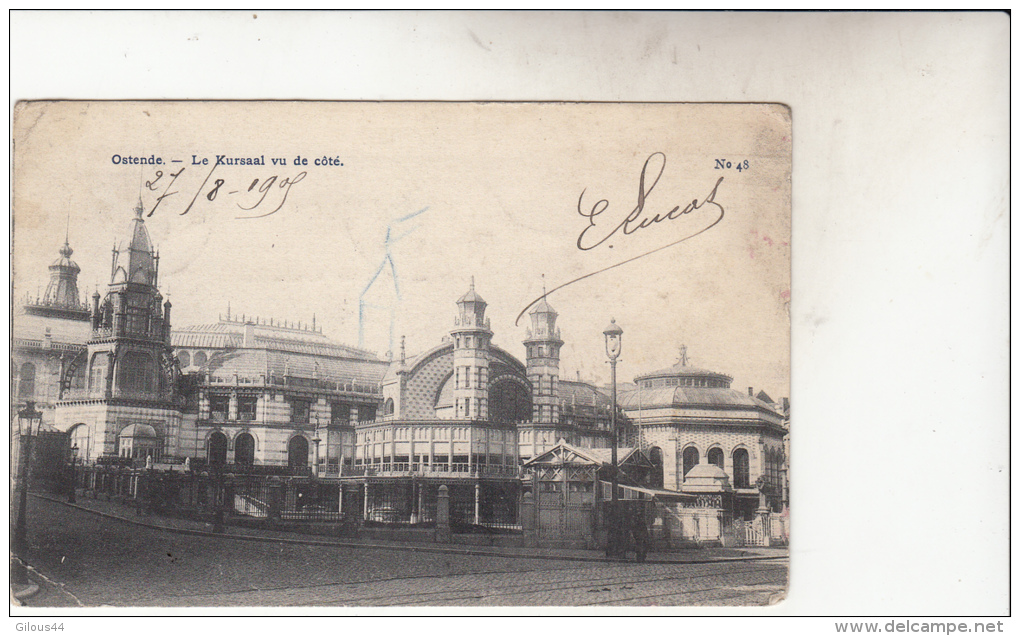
(85, 559)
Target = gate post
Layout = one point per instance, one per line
(275, 501)
(142, 493)
(667, 531)
(443, 515)
(529, 518)
(766, 527)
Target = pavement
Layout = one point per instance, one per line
(114, 510)
(100, 553)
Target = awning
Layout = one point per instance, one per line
(636, 492)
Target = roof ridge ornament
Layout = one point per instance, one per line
(683, 356)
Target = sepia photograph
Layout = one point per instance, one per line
(400, 354)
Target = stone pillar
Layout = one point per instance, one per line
(421, 504)
(415, 498)
(478, 499)
(365, 507)
(443, 515)
(315, 455)
(340, 502)
(141, 493)
(764, 518)
(529, 518)
(275, 502)
(232, 404)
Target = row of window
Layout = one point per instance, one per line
(697, 382)
(740, 467)
(463, 377)
(247, 405)
(185, 359)
(494, 459)
(244, 449)
(469, 342)
(541, 351)
(545, 384)
(463, 407)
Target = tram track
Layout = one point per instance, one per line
(564, 585)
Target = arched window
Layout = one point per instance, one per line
(26, 386)
(297, 452)
(691, 458)
(244, 449)
(715, 456)
(184, 359)
(217, 449)
(388, 407)
(136, 373)
(655, 456)
(79, 435)
(200, 358)
(97, 372)
(741, 469)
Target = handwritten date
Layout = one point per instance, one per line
(260, 196)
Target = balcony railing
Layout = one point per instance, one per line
(99, 394)
(402, 469)
(299, 383)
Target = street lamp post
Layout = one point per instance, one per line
(28, 418)
(614, 343)
(71, 496)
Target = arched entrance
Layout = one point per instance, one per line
(509, 401)
(217, 449)
(244, 449)
(297, 452)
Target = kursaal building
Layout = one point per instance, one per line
(467, 414)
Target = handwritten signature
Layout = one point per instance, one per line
(634, 221)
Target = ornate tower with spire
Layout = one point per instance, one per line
(131, 372)
(48, 335)
(542, 345)
(471, 337)
(61, 297)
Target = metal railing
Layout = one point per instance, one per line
(402, 469)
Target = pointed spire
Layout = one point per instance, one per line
(228, 310)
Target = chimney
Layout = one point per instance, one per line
(750, 391)
(249, 336)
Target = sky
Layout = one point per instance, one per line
(489, 191)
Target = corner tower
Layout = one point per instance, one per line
(542, 345)
(471, 337)
(131, 372)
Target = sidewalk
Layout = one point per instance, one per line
(126, 514)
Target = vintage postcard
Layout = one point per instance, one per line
(400, 353)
